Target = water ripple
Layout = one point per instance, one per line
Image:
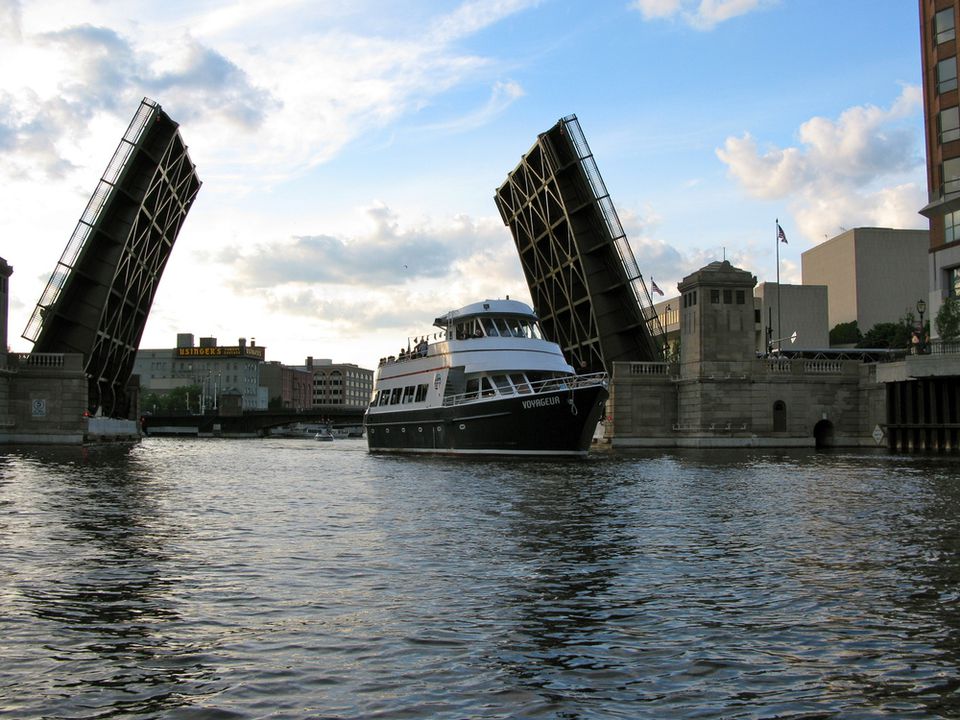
(283, 579)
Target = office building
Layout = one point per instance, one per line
(941, 110)
(216, 369)
(872, 275)
(287, 387)
(339, 383)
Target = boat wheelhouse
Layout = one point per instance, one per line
(486, 382)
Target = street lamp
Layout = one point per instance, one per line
(921, 309)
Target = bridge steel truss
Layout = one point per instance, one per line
(582, 274)
(98, 297)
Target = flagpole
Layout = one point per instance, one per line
(776, 237)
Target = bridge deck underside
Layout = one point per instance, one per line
(105, 292)
(578, 282)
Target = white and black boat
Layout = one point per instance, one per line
(486, 383)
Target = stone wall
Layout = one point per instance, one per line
(46, 397)
(837, 403)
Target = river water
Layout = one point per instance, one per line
(295, 579)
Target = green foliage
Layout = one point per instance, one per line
(847, 333)
(948, 319)
(172, 401)
(891, 334)
(672, 353)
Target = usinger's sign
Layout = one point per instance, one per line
(233, 351)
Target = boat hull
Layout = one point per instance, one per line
(551, 423)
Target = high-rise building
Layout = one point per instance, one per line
(941, 109)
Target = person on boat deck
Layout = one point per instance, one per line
(422, 347)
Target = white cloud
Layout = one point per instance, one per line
(376, 277)
(10, 19)
(291, 102)
(700, 14)
(502, 96)
(863, 168)
(473, 16)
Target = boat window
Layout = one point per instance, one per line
(515, 327)
(408, 393)
(469, 329)
(503, 385)
(535, 331)
(421, 393)
(489, 327)
(486, 387)
(520, 382)
(503, 327)
(473, 388)
(395, 396)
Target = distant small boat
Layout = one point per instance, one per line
(324, 435)
(306, 431)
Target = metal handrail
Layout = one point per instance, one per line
(540, 387)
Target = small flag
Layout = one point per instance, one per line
(781, 236)
(654, 288)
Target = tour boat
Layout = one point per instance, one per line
(486, 383)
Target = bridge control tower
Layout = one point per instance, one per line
(583, 277)
(98, 297)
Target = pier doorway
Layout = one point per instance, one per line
(823, 434)
(779, 416)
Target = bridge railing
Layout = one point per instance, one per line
(530, 389)
(45, 361)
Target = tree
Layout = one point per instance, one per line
(890, 334)
(847, 333)
(174, 400)
(948, 320)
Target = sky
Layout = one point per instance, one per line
(350, 149)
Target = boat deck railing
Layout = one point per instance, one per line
(529, 389)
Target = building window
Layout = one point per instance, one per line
(741, 297)
(950, 176)
(948, 124)
(715, 297)
(943, 26)
(946, 75)
(953, 282)
(728, 297)
(951, 227)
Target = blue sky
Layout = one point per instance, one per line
(350, 150)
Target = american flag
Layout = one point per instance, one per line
(780, 235)
(654, 288)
